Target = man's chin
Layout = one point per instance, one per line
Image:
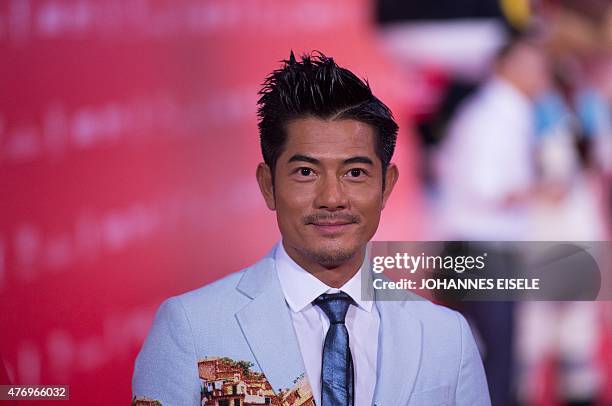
(332, 257)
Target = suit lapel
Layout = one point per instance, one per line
(267, 327)
(266, 324)
(399, 353)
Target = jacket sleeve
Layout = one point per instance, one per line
(472, 389)
(166, 368)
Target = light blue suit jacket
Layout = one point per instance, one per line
(426, 355)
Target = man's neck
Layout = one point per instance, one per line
(334, 276)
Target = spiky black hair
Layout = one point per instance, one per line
(317, 87)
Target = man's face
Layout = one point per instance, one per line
(327, 189)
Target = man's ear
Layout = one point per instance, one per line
(266, 185)
(391, 176)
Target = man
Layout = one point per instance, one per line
(486, 165)
(488, 183)
(293, 329)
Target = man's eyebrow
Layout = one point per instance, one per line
(358, 160)
(304, 158)
(314, 161)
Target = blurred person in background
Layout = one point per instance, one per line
(485, 166)
(573, 138)
(487, 183)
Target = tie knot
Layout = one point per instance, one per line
(334, 305)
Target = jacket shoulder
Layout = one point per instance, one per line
(221, 293)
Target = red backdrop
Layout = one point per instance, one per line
(128, 146)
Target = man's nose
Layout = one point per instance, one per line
(331, 194)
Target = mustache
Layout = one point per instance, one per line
(328, 217)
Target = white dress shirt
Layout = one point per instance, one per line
(311, 324)
(487, 156)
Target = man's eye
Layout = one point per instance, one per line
(355, 173)
(305, 171)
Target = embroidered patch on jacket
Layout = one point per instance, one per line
(234, 383)
(145, 401)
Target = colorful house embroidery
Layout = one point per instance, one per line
(225, 382)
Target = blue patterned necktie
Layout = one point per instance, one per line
(337, 380)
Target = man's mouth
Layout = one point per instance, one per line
(331, 220)
(331, 223)
(333, 226)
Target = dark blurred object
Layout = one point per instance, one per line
(492, 321)
(433, 128)
(396, 10)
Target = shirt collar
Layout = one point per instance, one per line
(300, 287)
